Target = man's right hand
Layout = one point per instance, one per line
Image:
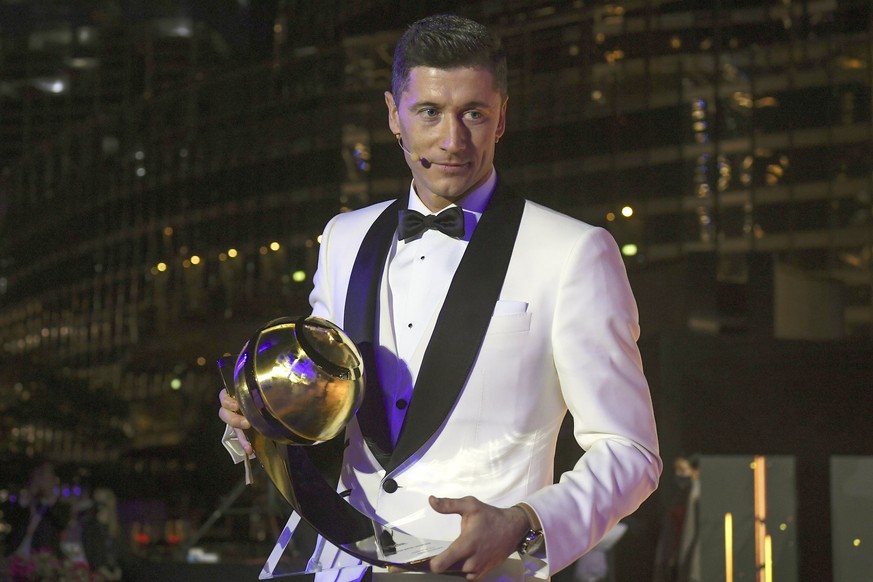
(229, 413)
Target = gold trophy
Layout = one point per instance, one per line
(299, 381)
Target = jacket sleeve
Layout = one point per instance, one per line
(321, 294)
(594, 336)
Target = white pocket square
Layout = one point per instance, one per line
(506, 307)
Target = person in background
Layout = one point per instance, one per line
(101, 536)
(40, 517)
(677, 557)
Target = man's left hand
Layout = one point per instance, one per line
(488, 536)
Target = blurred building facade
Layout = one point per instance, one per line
(163, 181)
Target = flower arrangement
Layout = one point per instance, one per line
(44, 566)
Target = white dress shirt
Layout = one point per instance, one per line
(414, 285)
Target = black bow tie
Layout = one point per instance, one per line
(450, 221)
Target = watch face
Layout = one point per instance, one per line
(530, 541)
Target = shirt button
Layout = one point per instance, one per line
(389, 485)
(409, 326)
(401, 404)
(422, 257)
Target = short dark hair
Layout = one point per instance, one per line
(446, 41)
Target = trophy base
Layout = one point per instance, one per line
(388, 547)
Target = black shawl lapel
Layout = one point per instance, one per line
(461, 324)
(359, 323)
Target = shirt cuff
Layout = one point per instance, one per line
(538, 548)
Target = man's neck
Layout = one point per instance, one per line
(474, 199)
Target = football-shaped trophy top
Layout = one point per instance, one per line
(299, 380)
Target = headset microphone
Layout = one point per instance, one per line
(415, 157)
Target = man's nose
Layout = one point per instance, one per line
(455, 134)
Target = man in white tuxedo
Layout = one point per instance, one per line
(486, 317)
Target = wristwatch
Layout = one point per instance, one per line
(533, 538)
(530, 542)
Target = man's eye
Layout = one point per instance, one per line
(474, 115)
(429, 112)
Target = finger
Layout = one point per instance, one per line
(453, 505)
(458, 551)
(452, 558)
(470, 571)
(246, 445)
(238, 422)
(233, 419)
(228, 401)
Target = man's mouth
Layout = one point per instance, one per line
(450, 166)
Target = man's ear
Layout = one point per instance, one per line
(501, 123)
(393, 116)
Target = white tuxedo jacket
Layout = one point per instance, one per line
(538, 319)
